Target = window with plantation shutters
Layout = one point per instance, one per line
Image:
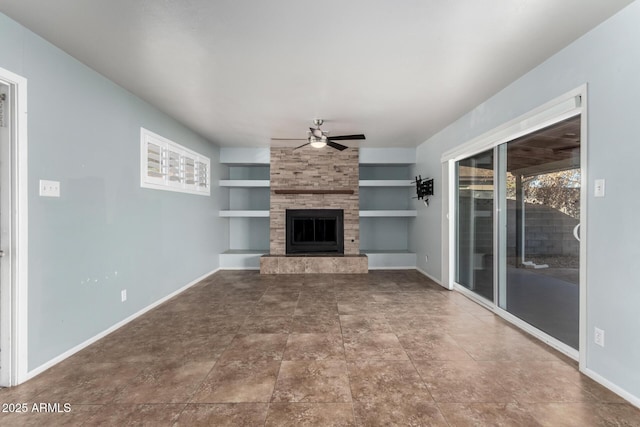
(166, 165)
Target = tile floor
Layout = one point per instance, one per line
(385, 348)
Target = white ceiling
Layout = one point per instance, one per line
(241, 72)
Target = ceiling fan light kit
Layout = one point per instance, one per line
(318, 138)
(318, 144)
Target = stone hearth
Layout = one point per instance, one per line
(312, 264)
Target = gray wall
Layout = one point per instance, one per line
(104, 233)
(607, 59)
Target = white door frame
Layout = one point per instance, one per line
(568, 105)
(14, 228)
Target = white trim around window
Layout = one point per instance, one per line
(166, 165)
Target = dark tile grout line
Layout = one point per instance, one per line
(353, 406)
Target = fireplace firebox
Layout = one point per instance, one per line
(314, 231)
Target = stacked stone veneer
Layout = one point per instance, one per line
(310, 168)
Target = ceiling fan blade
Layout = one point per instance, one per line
(346, 137)
(336, 145)
(301, 146)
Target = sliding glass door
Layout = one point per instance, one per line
(541, 257)
(519, 203)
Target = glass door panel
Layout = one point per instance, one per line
(540, 250)
(474, 223)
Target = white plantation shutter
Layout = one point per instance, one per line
(189, 170)
(155, 168)
(174, 166)
(202, 175)
(166, 165)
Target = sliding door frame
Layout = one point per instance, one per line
(570, 104)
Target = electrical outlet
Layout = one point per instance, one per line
(123, 295)
(598, 337)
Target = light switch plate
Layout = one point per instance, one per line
(49, 188)
(598, 188)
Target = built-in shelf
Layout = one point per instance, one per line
(388, 213)
(242, 259)
(246, 252)
(311, 191)
(244, 213)
(245, 156)
(386, 183)
(384, 259)
(244, 183)
(385, 251)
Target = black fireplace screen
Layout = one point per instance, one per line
(315, 231)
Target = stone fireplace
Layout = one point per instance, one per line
(314, 180)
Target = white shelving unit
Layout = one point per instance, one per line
(247, 185)
(387, 213)
(386, 183)
(386, 207)
(244, 214)
(391, 259)
(244, 183)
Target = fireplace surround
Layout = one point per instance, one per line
(314, 179)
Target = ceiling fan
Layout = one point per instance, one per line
(318, 138)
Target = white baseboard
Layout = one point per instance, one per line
(424, 273)
(634, 400)
(408, 267)
(106, 332)
(240, 268)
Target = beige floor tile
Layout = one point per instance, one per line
(266, 325)
(77, 415)
(314, 347)
(392, 413)
(431, 346)
(223, 415)
(91, 383)
(327, 323)
(358, 324)
(312, 381)
(255, 347)
(237, 382)
(583, 414)
(487, 414)
(310, 415)
(461, 381)
(172, 382)
(396, 381)
(373, 346)
(136, 415)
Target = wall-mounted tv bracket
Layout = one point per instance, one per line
(424, 188)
